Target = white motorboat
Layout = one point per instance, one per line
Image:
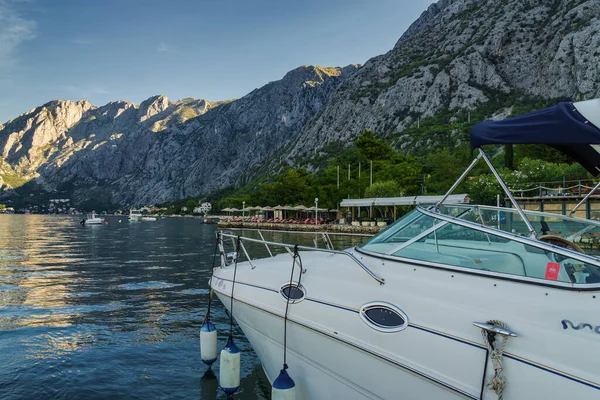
(148, 218)
(450, 302)
(93, 219)
(134, 215)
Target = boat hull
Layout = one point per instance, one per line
(440, 354)
(324, 367)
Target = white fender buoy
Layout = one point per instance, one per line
(208, 343)
(229, 368)
(284, 387)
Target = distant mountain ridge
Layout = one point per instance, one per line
(459, 55)
(160, 150)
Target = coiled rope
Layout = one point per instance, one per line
(497, 383)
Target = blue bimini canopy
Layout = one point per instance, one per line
(571, 128)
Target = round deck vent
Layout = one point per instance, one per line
(384, 317)
(294, 292)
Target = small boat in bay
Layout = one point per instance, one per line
(452, 301)
(93, 219)
(134, 215)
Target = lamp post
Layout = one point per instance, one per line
(243, 206)
(316, 210)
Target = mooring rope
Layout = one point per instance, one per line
(497, 383)
(210, 290)
(212, 272)
(232, 287)
(287, 304)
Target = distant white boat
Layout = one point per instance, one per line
(135, 215)
(148, 218)
(93, 219)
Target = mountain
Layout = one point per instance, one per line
(128, 155)
(459, 55)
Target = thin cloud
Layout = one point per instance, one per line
(81, 41)
(162, 47)
(14, 30)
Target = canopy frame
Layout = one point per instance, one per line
(505, 188)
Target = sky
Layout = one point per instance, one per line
(108, 50)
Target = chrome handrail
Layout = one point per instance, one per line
(288, 247)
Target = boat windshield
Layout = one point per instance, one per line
(584, 232)
(496, 240)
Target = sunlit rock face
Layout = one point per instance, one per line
(458, 55)
(461, 53)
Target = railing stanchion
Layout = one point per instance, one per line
(246, 253)
(266, 245)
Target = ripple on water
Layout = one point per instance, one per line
(5, 288)
(83, 294)
(147, 285)
(194, 291)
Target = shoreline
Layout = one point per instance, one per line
(302, 227)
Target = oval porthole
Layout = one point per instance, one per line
(384, 317)
(292, 291)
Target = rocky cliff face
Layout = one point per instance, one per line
(458, 55)
(160, 150)
(461, 53)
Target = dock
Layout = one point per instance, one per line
(340, 228)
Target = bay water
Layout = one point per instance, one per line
(110, 311)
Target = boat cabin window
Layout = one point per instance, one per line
(440, 242)
(294, 292)
(383, 317)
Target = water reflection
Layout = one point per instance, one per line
(111, 311)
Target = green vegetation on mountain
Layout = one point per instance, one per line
(431, 155)
(346, 175)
